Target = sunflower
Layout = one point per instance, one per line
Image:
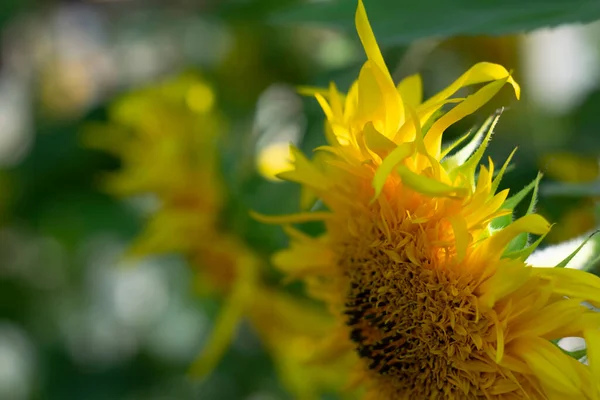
(166, 138)
(421, 264)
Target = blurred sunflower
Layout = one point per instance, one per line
(427, 282)
(166, 137)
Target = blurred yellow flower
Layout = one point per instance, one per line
(166, 138)
(166, 149)
(289, 327)
(413, 265)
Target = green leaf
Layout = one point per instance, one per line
(513, 202)
(576, 354)
(463, 154)
(498, 175)
(520, 242)
(524, 253)
(568, 259)
(402, 22)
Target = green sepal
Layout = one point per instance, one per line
(474, 150)
(505, 168)
(524, 253)
(520, 242)
(512, 202)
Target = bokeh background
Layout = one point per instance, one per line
(78, 320)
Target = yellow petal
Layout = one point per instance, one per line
(394, 112)
(304, 259)
(504, 386)
(394, 106)
(478, 73)
(311, 91)
(499, 337)
(398, 155)
(371, 106)
(576, 328)
(376, 142)
(573, 283)
(558, 373)
(532, 223)
(336, 100)
(510, 275)
(461, 235)
(488, 209)
(411, 90)
(428, 186)
(290, 218)
(351, 102)
(546, 320)
(406, 132)
(307, 198)
(433, 139)
(304, 172)
(592, 341)
(325, 106)
(367, 38)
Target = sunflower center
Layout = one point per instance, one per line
(411, 319)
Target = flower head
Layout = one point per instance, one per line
(415, 266)
(166, 138)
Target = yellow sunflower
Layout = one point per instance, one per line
(428, 284)
(166, 138)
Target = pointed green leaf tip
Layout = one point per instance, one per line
(514, 201)
(520, 242)
(468, 158)
(475, 144)
(428, 186)
(568, 259)
(500, 175)
(524, 253)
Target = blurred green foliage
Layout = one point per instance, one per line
(402, 22)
